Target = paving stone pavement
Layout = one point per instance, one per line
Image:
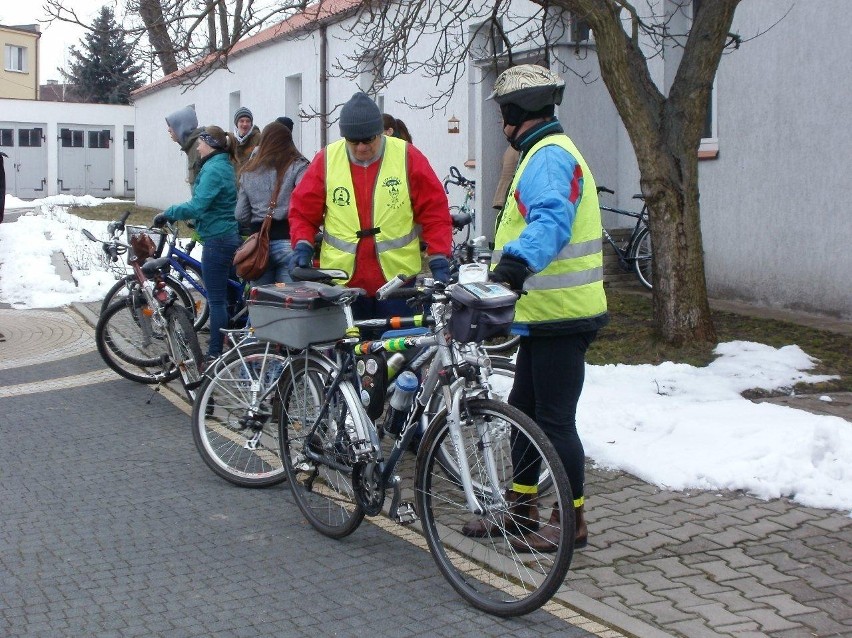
(111, 525)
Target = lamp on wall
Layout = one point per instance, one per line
(453, 125)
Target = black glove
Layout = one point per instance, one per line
(511, 271)
(160, 220)
(440, 267)
(302, 257)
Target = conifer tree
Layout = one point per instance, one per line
(103, 70)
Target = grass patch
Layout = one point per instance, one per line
(629, 339)
(110, 211)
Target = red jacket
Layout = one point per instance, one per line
(428, 200)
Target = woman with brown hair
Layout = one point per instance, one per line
(270, 176)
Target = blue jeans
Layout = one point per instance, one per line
(217, 264)
(278, 268)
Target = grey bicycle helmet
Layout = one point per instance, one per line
(529, 86)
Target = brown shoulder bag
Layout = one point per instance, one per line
(252, 256)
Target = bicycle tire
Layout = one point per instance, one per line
(125, 283)
(324, 494)
(125, 348)
(500, 345)
(500, 573)
(223, 405)
(641, 255)
(185, 349)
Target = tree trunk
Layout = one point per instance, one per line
(665, 133)
(151, 13)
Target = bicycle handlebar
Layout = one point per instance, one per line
(604, 189)
(457, 179)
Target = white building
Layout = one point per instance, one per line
(67, 148)
(773, 181)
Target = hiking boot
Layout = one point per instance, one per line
(546, 539)
(521, 517)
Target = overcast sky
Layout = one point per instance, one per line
(56, 37)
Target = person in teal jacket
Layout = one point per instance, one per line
(214, 199)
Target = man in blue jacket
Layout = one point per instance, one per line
(548, 244)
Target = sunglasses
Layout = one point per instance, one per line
(366, 140)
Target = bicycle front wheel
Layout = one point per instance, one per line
(315, 446)
(186, 351)
(235, 417)
(504, 572)
(641, 254)
(130, 343)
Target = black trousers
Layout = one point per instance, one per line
(548, 382)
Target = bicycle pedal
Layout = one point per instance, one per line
(405, 514)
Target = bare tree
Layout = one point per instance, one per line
(665, 129)
(195, 36)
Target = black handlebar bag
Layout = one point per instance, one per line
(480, 311)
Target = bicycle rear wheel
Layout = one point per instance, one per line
(641, 254)
(235, 417)
(130, 343)
(322, 487)
(500, 573)
(185, 349)
(122, 287)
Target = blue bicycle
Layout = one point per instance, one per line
(184, 277)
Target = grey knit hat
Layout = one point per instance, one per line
(243, 112)
(360, 118)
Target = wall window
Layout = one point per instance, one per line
(709, 147)
(7, 137)
(131, 140)
(29, 137)
(71, 138)
(99, 139)
(16, 58)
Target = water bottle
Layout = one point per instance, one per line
(405, 387)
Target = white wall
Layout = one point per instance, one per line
(775, 205)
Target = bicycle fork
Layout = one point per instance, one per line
(454, 396)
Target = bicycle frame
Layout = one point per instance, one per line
(623, 252)
(365, 443)
(178, 258)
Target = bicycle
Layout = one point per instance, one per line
(186, 272)
(234, 422)
(125, 280)
(338, 474)
(636, 253)
(146, 336)
(464, 216)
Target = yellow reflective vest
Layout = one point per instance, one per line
(397, 242)
(571, 285)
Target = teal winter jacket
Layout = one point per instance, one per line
(214, 199)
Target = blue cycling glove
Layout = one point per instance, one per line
(302, 257)
(440, 267)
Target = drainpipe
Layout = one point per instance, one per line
(323, 87)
